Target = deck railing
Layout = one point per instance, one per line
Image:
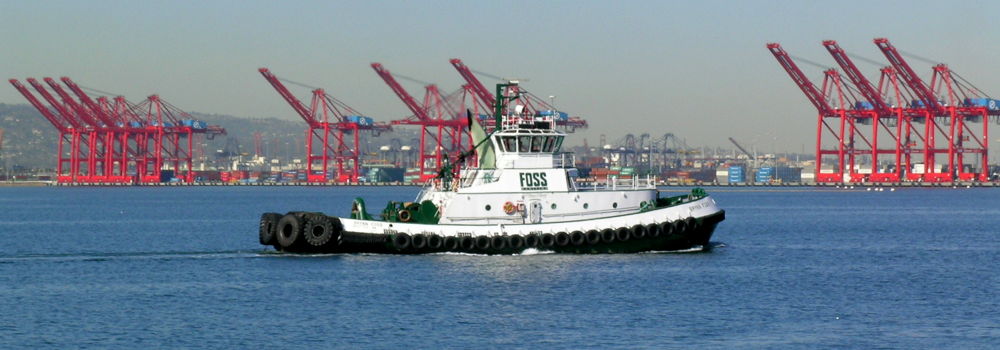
(616, 183)
(564, 160)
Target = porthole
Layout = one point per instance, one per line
(553, 205)
(585, 205)
(488, 207)
(614, 205)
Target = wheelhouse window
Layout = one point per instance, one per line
(536, 143)
(530, 143)
(509, 143)
(550, 143)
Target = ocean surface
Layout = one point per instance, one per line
(789, 269)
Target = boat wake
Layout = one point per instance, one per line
(533, 251)
(529, 251)
(694, 249)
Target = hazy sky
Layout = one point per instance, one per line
(698, 69)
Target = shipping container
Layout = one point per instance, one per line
(737, 174)
(722, 175)
(385, 174)
(788, 174)
(989, 103)
(166, 175)
(359, 119)
(554, 114)
(764, 175)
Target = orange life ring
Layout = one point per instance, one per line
(509, 208)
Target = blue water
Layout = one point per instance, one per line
(801, 269)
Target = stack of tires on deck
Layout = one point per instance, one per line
(307, 232)
(301, 232)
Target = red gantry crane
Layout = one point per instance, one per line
(931, 112)
(874, 111)
(106, 137)
(966, 106)
(950, 109)
(69, 136)
(96, 116)
(819, 98)
(168, 137)
(436, 118)
(330, 123)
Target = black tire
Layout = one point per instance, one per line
(623, 234)
(419, 241)
(515, 242)
(680, 227)
(593, 237)
(319, 231)
(547, 240)
(638, 232)
(467, 243)
(666, 228)
(498, 242)
(608, 235)
(653, 231)
(268, 226)
(562, 239)
(482, 243)
(692, 224)
(532, 240)
(289, 232)
(451, 243)
(400, 241)
(434, 242)
(577, 238)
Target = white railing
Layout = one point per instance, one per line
(564, 160)
(514, 121)
(613, 183)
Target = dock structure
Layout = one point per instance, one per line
(900, 130)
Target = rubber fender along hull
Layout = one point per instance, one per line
(684, 235)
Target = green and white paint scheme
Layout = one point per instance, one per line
(521, 162)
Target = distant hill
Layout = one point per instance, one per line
(31, 142)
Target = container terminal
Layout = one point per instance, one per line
(896, 131)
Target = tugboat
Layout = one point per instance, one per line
(521, 194)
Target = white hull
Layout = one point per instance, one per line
(703, 207)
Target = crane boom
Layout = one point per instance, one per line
(408, 99)
(63, 111)
(740, 147)
(81, 111)
(478, 88)
(800, 79)
(297, 105)
(864, 86)
(47, 113)
(94, 108)
(909, 76)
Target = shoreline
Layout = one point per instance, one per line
(401, 184)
